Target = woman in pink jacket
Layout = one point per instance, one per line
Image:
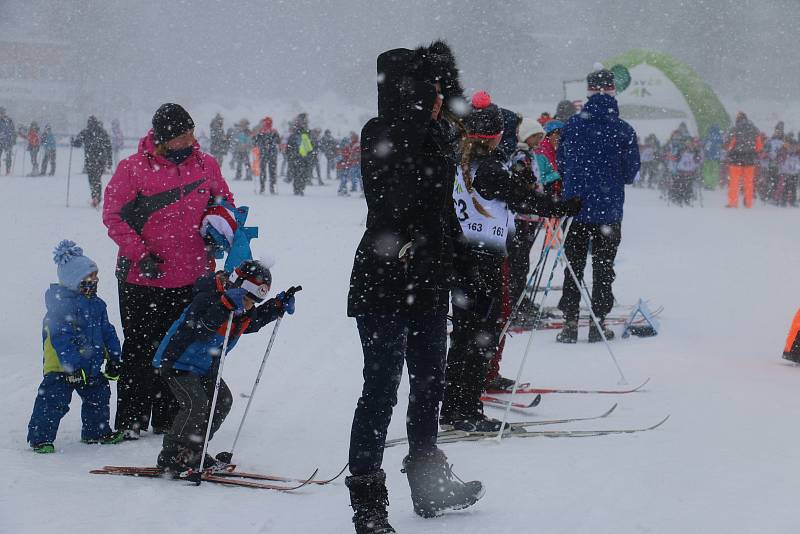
(153, 207)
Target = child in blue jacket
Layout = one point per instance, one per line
(77, 339)
(188, 356)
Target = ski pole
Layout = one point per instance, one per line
(227, 457)
(530, 339)
(69, 169)
(531, 283)
(214, 397)
(581, 284)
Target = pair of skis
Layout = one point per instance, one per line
(520, 429)
(556, 323)
(227, 476)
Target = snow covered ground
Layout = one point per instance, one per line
(725, 462)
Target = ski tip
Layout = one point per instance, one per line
(536, 401)
(610, 410)
(643, 384)
(660, 422)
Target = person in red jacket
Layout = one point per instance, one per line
(153, 209)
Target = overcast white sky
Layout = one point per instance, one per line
(144, 52)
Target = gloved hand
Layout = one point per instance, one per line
(570, 207)
(235, 296)
(76, 378)
(285, 303)
(113, 369)
(149, 267)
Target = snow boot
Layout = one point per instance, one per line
(43, 448)
(369, 499)
(499, 383)
(111, 438)
(569, 333)
(434, 486)
(178, 461)
(472, 423)
(594, 333)
(131, 434)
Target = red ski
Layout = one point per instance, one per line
(542, 391)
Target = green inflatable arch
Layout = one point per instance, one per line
(703, 102)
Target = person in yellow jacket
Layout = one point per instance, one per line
(299, 151)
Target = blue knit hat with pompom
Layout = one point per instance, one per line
(73, 266)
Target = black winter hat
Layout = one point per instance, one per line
(485, 120)
(170, 121)
(600, 80)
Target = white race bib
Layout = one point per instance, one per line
(480, 230)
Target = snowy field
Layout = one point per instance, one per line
(726, 461)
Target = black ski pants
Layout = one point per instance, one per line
(194, 394)
(477, 310)
(386, 341)
(604, 240)
(270, 163)
(7, 150)
(519, 257)
(49, 157)
(143, 398)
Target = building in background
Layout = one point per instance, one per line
(35, 83)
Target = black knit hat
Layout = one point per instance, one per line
(485, 120)
(600, 80)
(170, 121)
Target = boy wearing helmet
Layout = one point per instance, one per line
(188, 356)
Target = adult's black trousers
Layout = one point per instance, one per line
(604, 240)
(143, 398)
(420, 340)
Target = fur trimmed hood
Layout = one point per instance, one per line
(401, 72)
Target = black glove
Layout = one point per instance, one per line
(113, 369)
(149, 267)
(569, 207)
(76, 378)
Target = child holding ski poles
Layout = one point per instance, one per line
(223, 308)
(77, 338)
(486, 195)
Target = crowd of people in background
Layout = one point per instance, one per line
(748, 162)
(743, 160)
(254, 151)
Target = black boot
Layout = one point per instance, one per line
(568, 334)
(369, 499)
(594, 333)
(433, 487)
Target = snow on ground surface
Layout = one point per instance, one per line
(725, 462)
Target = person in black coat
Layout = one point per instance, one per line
(400, 282)
(96, 154)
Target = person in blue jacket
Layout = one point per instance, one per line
(77, 339)
(49, 148)
(597, 157)
(189, 354)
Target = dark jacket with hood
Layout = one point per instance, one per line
(597, 156)
(403, 262)
(96, 146)
(743, 143)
